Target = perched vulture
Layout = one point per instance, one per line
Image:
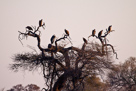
(85, 41)
(52, 39)
(100, 33)
(67, 32)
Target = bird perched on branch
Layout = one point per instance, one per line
(100, 33)
(40, 23)
(49, 46)
(85, 41)
(29, 28)
(52, 39)
(109, 28)
(93, 32)
(67, 32)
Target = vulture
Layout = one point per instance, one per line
(109, 28)
(85, 41)
(29, 28)
(100, 33)
(52, 39)
(67, 32)
(40, 23)
(93, 32)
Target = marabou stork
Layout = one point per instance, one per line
(85, 41)
(40, 23)
(29, 28)
(109, 28)
(100, 33)
(93, 32)
(52, 39)
(67, 32)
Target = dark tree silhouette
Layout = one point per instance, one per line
(123, 76)
(65, 68)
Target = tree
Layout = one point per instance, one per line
(123, 76)
(65, 68)
(94, 83)
(29, 87)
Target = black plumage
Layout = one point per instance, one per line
(93, 32)
(29, 28)
(67, 32)
(100, 33)
(85, 41)
(109, 28)
(52, 39)
(49, 46)
(40, 23)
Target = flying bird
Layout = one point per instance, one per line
(100, 33)
(67, 32)
(52, 39)
(29, 28)
(40, 23)
(93, 32)
(85, 41)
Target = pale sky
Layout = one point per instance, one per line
(80, 17)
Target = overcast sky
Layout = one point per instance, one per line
(80, 17)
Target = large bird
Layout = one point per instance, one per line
(109, 28)
(93, 32)
(100, 33)
(52, 39)
(40, 23)
(85, 41)
(67, 32)
(29, 28)
(49, 46)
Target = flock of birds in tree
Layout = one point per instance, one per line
(85, 41)
(42, 24)
(99, 34)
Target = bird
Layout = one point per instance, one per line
(67, 32)
(109, 28)
(100, 33)
(52, 39)
(93, 32)
(40, 23)
(85, 41)
(29, 28)
(49, 46)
